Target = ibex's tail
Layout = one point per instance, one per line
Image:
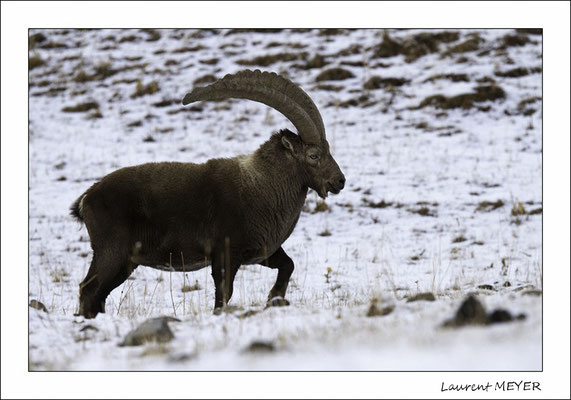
(77, 208)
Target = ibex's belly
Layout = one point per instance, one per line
(173, 255)
(180, 262)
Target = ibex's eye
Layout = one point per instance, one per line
(313, 156)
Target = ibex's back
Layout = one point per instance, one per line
(225, 212)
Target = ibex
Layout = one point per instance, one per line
(224, 212)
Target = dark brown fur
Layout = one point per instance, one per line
(184, 216)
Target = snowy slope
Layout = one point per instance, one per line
(440, 198)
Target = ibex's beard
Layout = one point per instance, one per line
(333, 189)
(324, 190)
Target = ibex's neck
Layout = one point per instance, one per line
(274, 174)
(273, 194)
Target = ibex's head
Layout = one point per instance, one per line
(312, 150)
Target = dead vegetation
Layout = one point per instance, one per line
(329, 88)
(191, 288)
(451, 77)
(518, 72)
(52, 45)
(321, 206)
(188, 49)
(465, 100)
(166, 103)
(34, 39)
(143, 90)
(317, 61)
(35, 61)
(334, 74)
(445, 130)
(270, 59)
(363, 101)
(96, 114)
(101, 72)
(332, 32)
(82, 107)
(376, 82)
(348, 51)
(380, 204)
(425, 296)
(153, 35)
(252, 30)
(472, 44)
(210, 61)
(129, 38)
(488, 206)
(459, 239)
(204, 80)
(524, 108)
(514, 41)
(51, 92)
(414, 47)
(530, 31)
(376, 310)
(423, 211)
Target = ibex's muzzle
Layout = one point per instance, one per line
(336, 182)
(338, 185)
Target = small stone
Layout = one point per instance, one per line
(259, 346)
(38, 305)
(500, 315)
(470, 312)
(152, 330)
(486, 287)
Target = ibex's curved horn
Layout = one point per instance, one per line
(272, 90)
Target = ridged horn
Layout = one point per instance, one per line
(273, 90)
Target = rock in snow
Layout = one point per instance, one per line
(152, 330)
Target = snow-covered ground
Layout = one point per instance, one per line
(442, 200)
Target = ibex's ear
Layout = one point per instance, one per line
(287, 144)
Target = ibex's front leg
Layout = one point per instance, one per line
(284, 264)
(223, 275)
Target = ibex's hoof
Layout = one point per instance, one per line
(277, 301)
(226, 309)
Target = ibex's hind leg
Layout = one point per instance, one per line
(88, 306)
(284, 264)
(107, 271)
